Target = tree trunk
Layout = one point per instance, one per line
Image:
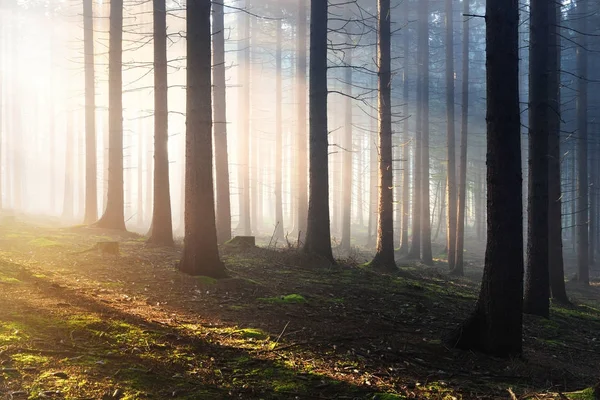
(451, 185)
(114, 215)
(384, 256)
(69, 191)
(406, 139)
(318, 238)
(415, 246)
(496, 325)
(200, 252)
(537, 289)
(91, 195)
(278, 135)
(427, 256)
(161, 229)
(583, 273)
(220, 124)
(464, 136)
(244, 125)
(301, 139)
(347, 158)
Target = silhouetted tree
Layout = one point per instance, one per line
(200, 252)
(318, 238)
(220, 124)
(161, 230)
(451, 140)
(301, 142)
(113, 217)
(495, 327)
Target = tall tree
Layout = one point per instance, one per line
(415, 245)
(347, 157)
(91, 194)
(555, 244)
(583, 273)
(405, 204)
(537, 289)
(278, 134)
(427, 256)
(495, 327)
(220, 124)
(200, 252)
(464, 136)
(384, 256)
(114, 214)
(69, 190)
(301, 140)
(244, 122)
(451, 141)
(161, 230)
(318, 240)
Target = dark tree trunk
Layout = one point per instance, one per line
(451, 140)
(220, 124)
(301, 139)
(161, 230)
(384, 256)
(406, 139)
(91, 191)
(278, 136)
(464, 136)
(427, 256)
(114, 214)
(555, 243)
(537, 286)
(318, 239)
(200, 252)
(583, 273)
(347, 159)
(496, 325)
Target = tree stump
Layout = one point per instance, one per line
(242, 241)
(108, 248)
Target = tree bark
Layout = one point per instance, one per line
(114, 214)
(347, 158)
(278, 135)
(427, 256)
(220, 124)
(244, 121)
(451, 140)
(200, 252)
(161, 230)
(496, 325)
(537, 286)
(406, 138)
(464, 137)
(301, 137)
(583, 273)
(69, 191)
(91, 190)
(318, 238)
(384, 256)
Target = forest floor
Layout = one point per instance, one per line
(79, 324)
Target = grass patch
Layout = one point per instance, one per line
(29, 360)
(586, 394)
(253, 333)
(287, 299)
(205, 280)
(43, 242)
(388, 396)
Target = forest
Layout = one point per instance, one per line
(299, 199)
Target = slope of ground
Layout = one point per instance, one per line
(81, 324)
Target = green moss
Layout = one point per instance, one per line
(29, 360)
(252, 333)
(43, 242)
(205, 280)
(11, 332)
(388, 396)
(8, 279)
(586, 394)
(287, 299)
(236, 308)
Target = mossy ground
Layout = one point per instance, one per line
(76, 324)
